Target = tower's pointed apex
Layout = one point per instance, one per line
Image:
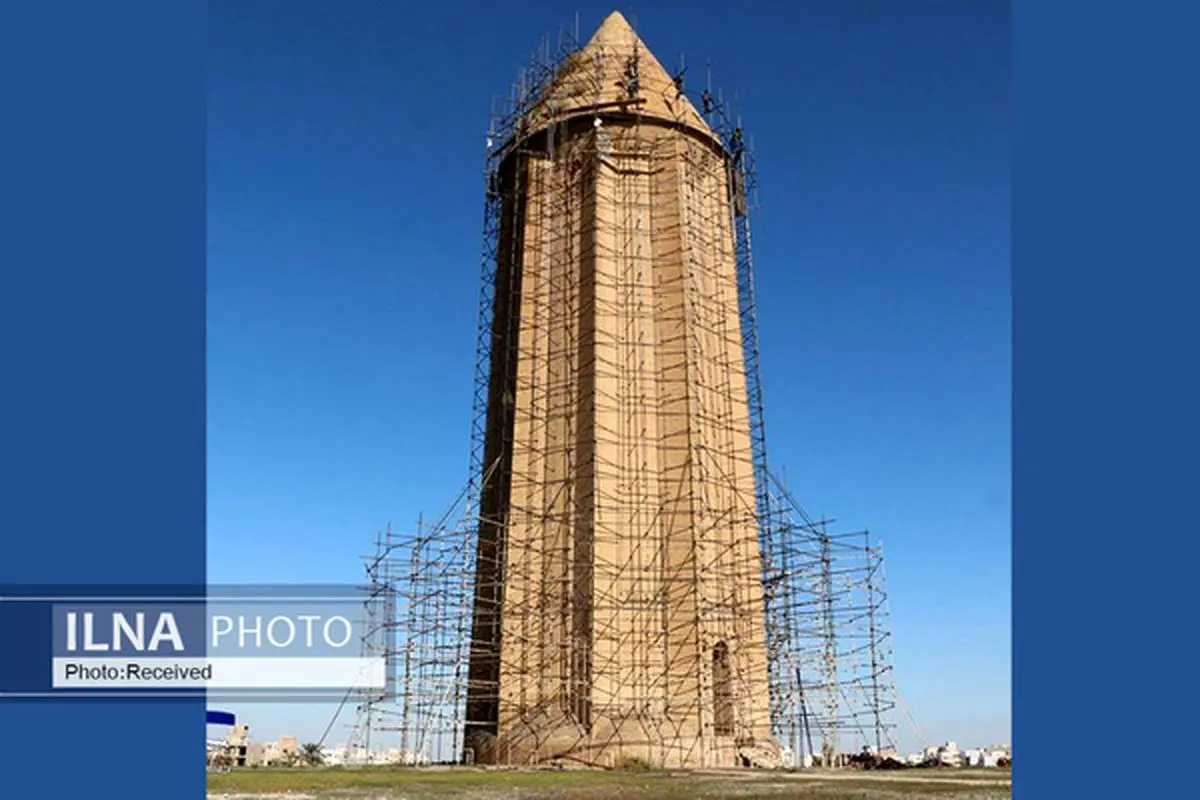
(614, 27)
(615, 71)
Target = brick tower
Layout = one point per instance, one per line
(618, 600)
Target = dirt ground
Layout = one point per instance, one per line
(480, 784)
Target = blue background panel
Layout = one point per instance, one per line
(1105, 400)
(102, 320)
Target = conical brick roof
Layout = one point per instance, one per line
(596, 78)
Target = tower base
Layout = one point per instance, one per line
(617, 741)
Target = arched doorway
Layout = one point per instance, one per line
(722, 683)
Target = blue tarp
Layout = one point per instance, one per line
(220, 718)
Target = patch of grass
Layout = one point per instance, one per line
(910, 790)
(408, 779)
(639, 782)
(635, 764)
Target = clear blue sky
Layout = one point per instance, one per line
(345, 197)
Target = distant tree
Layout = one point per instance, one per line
(311, 755)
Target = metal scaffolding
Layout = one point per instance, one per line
(433, 607)
(832, 687)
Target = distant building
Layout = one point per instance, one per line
(949, 755)
(253, 755)
(271, 753)
(334, 756)
(337, 755)
(237, 743)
